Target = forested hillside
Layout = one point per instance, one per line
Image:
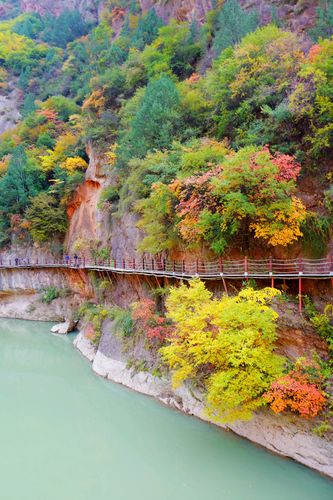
(177, 130)
(217, 131)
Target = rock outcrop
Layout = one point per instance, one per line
(64, 328)
(9, 107)
(298, 16)
(87, 222)
(88, 8)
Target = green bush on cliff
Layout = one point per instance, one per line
(321, 322)
(45, 218)
(49, 294)
(123, 321)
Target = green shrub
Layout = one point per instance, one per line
(316, 234)
(123, 322)
(321, 322)
(109, 195)
(46, 218)
(50, 293)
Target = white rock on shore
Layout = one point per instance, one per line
(64, 328)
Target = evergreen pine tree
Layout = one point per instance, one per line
(156, 121)
(323, 27)
(233, 24)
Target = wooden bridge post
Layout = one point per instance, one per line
(152, 264)
(246, 267)
(197, 267)
(134, 263)
(143, 263)
(220, 265)
(174, 266)
(164, 264)
(115, 263)
(271, 270)
(300, 267)
(183, 267)
(124, 264)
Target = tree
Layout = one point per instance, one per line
(252, 193)
(323, 27)
(155, 326)
(46, 218)
(156, 121)
(19, 183)
(311, 99)
(147, 29)
(250, 85)
(298, 391)
(158, 220)
(64, 106)
(225, 345)
(29, 25)
(172, 52)
(29, 105)
(64, 28)
(233, 24)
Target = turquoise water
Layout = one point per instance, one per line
(66, 434)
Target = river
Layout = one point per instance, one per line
(66, 434)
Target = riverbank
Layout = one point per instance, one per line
(283, 435)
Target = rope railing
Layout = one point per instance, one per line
(218, 268)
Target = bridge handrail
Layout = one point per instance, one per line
(218, 267)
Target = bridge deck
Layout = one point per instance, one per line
(212, 270)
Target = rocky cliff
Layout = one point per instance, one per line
(88, 8)
(91, 226)
(10, 99)
(298, 15)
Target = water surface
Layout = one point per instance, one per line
(66, 434)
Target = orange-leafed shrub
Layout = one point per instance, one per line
(297, 393)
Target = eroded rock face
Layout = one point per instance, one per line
(29, 306)
(88, 8)
(9, 108)
(87, 222)
(85, 347)
(125, 237)
(296, 335)
(182, 10)
(298, 16)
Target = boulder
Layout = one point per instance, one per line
(64, 328)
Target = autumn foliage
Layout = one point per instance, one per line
(155, 326)
(226, 346)
(296, 392)
(250, 194)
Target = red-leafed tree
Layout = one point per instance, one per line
(155, 326)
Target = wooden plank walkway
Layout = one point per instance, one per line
(206, 270)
